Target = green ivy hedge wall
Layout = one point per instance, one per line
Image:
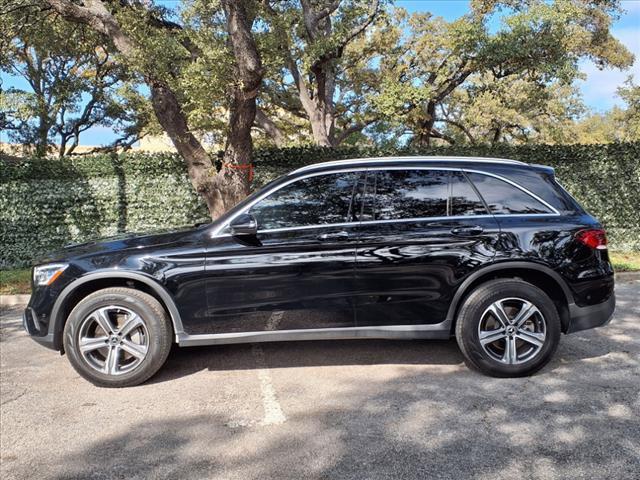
(46, 204)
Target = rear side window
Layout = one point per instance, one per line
(503, 198)
(464, 199)
(318, 200)
(404, 194)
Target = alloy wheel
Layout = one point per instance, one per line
(113, 340)
(512, 331)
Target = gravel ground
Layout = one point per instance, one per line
(349, 409)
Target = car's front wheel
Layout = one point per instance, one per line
(508, 328)
(117, 337)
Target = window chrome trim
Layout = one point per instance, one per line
(404, 220)
(373, 160)
(310, 227)
(217, 232)
(518, 186)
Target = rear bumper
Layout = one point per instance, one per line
(592, 316)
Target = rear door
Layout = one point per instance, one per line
(298, 272)
(422, 231)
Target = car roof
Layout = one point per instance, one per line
(367, 162)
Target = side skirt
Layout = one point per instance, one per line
(438, 331)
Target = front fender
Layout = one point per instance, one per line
(58, 318)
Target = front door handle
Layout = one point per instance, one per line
(341, 235)
(465, 231)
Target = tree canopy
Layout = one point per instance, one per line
(73, 83)
(225, 74)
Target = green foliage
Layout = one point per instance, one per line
(73, 82)
(537, 43)
(616, 125)
(511, 109)
(14, 282)
(625, 261)
(45, 204)
(627, 120)
(366, 75)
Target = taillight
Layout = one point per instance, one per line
(593, 238)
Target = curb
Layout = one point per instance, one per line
(12, 300)
(627, 276)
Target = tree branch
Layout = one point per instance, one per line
(292, 66)
(337, 51)
(356, 127)
(95, 14)
(123, 143)
(461, 127)
(326, 11)
(265, 123)
(438, 134)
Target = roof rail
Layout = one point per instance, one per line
(373, 160)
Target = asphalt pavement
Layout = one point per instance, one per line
(362, 409)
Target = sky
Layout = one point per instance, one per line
(598, 89)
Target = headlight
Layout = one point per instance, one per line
(47, 274)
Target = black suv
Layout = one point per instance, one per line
(493, 252)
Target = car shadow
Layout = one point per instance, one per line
(184, 361)
(317, 353)
(616, 338)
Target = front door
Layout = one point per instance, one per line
(298, 271)
(423, 230)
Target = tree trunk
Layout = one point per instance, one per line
(42, 142)
(199, 166)
(496, 135)
(317, 103)
(233, 181)
(321, 135)
(321, 109)
(426, 128)
(224, 190)
(63, 147)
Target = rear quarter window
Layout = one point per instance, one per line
(542, 182)
(503, 198)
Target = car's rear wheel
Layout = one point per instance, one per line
(117, 337)
(508, 328)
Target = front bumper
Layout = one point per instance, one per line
(36, 330)
(592, 316)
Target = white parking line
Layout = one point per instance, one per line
(274, 320)
(273, 414)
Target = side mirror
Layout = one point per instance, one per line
(244, 225)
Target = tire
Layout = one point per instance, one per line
(136, 347)
(534, 342)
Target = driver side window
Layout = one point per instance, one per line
(317, 200)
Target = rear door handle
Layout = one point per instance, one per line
(342, 235)
(464, 231)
